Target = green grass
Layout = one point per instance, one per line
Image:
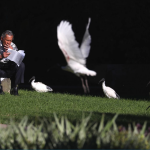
(34, 105)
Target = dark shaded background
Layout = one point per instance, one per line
(120, 49)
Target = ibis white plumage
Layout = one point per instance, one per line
(109, 92)
(39, 86)
(75, 56)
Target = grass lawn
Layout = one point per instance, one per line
(34, 105)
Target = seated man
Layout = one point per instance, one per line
(9, 69)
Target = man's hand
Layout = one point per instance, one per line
(8, 46)
(6, 54)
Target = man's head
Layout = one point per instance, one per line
(7, 37)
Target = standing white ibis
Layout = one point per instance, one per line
(75, 56)
(109, 92)
(39, 86)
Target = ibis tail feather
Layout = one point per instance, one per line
(118, 96)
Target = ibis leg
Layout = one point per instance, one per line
(87, 86)
(84, 87)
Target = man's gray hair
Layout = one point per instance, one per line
(7, 32)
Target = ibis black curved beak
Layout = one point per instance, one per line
(32, 78)
(101, 80)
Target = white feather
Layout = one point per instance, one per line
(85, 46)
(68, 44)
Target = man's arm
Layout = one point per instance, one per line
(1, 57)
(4, 55)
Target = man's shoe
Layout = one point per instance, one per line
(14, 91)
(1, 91)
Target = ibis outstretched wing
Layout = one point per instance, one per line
(68, 44)
(86, 41)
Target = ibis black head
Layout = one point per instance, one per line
(148, 83)
(32, 78)
(103, 79)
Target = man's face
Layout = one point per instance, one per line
(7, 40)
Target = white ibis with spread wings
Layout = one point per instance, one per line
(75, 55)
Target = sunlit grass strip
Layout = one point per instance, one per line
(34, 104)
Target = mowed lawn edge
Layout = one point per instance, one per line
(34, 104)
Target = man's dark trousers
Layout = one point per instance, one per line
(13, 71)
